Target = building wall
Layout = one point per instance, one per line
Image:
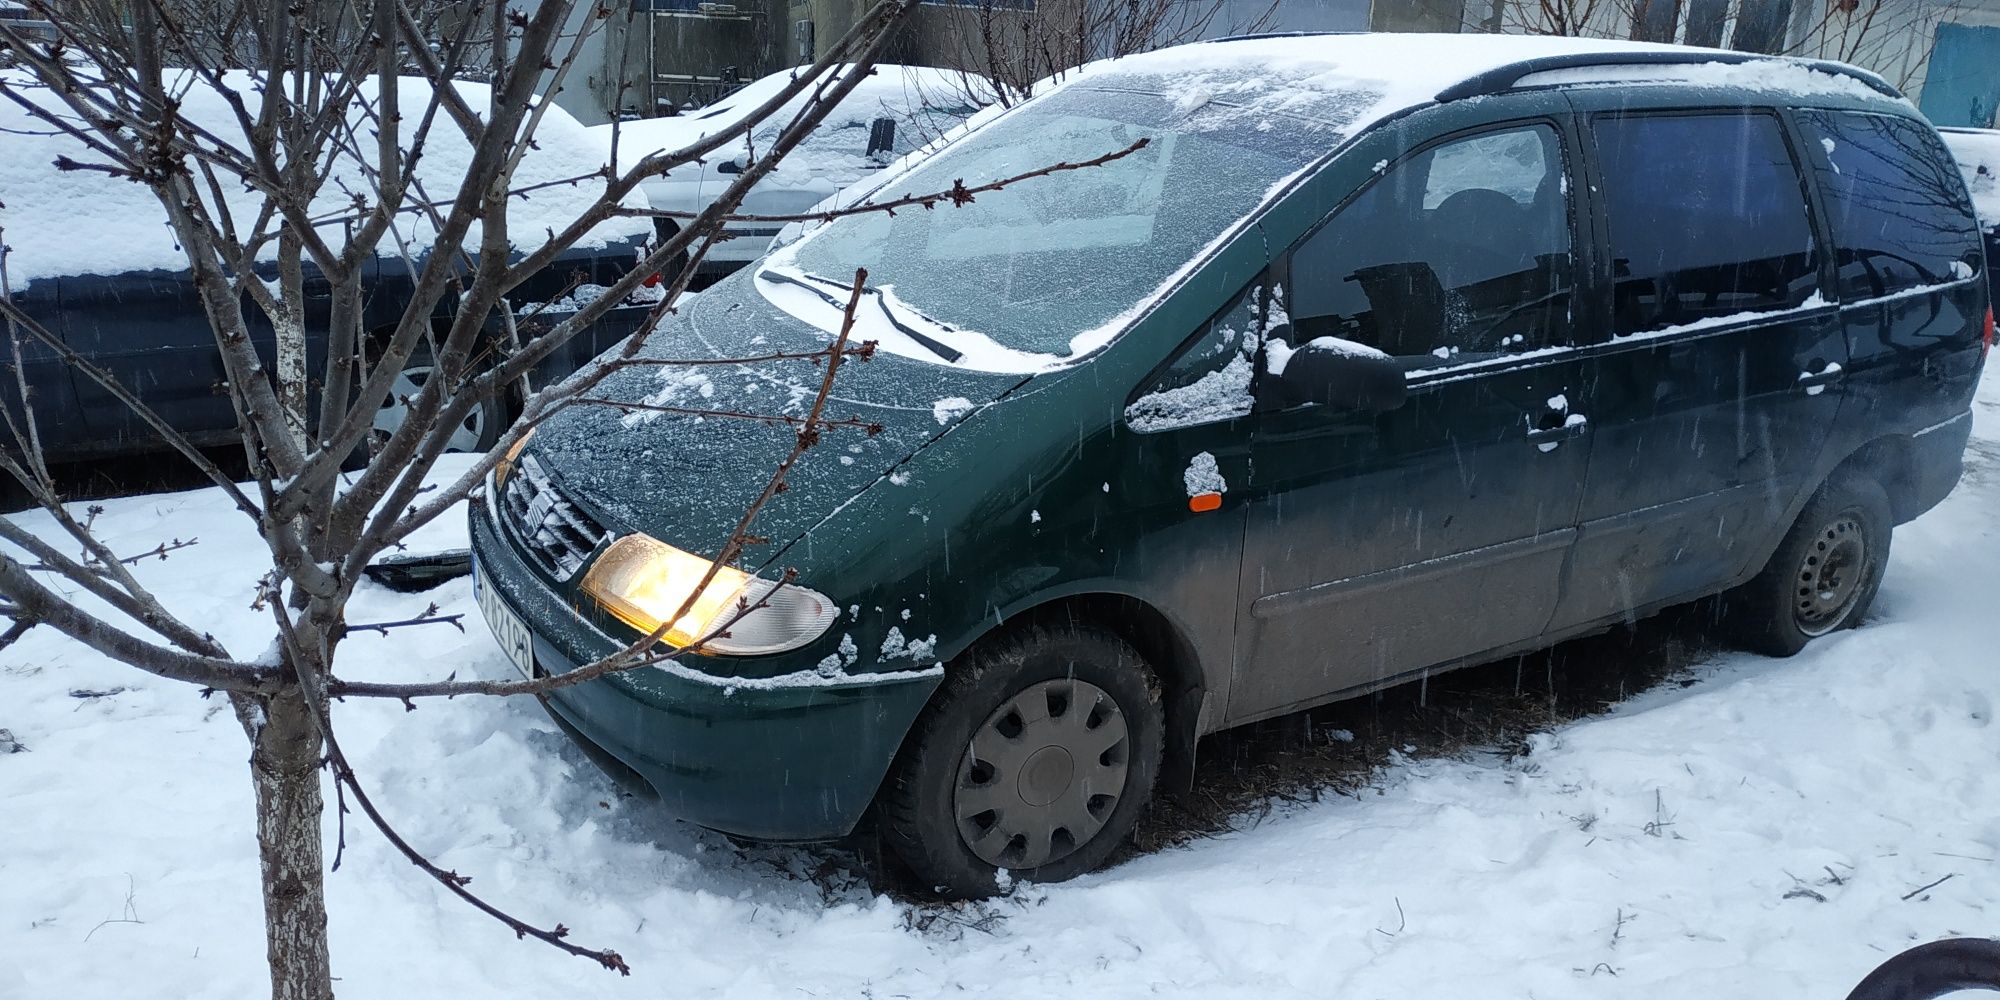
(1894, 38)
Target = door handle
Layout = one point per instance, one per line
(1815, 382)
(1547, 438)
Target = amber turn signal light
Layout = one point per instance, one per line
(1202, 503)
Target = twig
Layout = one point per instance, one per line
(156, 552)
(15, 631)
(1920, 890)
(429, 617)
(957, 195)
(131, 911)
(872, 427)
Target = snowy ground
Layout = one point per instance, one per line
(1756, 835)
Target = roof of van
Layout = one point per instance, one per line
(1404, 70)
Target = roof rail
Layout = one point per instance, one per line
(1496, 80)
(1255, 35)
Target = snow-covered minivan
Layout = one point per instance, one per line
(891, 113)
(1370, 356)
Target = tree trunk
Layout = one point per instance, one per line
(284, 762)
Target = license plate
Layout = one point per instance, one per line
(508, 628)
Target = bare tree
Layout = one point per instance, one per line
(1892, 37)
(309, 170)
(1004, 48)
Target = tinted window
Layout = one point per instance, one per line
(1898, 212)
(1707, 217)
(1458, 253)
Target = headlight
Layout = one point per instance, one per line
(506, 463)
(642, 580)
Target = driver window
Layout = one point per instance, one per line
(1458, 254)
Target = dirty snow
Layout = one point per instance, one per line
(1764, 833)
(1202, 476)
(1223, 394)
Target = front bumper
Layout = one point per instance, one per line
(776, 763)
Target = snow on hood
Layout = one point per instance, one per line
(83, 222)
(686, 477)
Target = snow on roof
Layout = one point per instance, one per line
(85, 222)
(1978, 154)
(1408, 69)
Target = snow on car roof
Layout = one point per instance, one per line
(1410, 69)
(894, 89)
(85, 222)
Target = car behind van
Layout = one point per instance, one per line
(896, 110)
(1977, 151)
(91, 258)
(1383, 354)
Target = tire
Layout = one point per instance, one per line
(665, 229)
(1825, 573)
(482, 428)
(1010, 699)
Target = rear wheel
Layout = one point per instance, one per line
(1824, 574)
(1037, 757)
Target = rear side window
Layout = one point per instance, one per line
(1898, 212)
(1707, 219)
(1457, 254)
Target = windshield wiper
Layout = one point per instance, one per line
(805, 281)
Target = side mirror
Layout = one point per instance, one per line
(881, 137)
(1342, 373)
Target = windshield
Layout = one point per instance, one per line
(1051, 267)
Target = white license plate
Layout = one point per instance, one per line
(508, 628)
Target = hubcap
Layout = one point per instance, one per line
(1043, 774)
(1830, 576)
(394, 411)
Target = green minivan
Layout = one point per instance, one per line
(1382, 355)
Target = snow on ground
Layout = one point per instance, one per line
(1757, 835)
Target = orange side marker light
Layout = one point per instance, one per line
(1202, 503)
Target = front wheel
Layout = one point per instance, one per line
(1824, 574)
(480, 429)
(1037, 757)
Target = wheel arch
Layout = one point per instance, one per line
(1890, 460)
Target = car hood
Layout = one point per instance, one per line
(687, 478)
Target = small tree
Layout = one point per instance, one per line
(310, 170)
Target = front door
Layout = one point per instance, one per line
(1714, 397)
(1381, 544)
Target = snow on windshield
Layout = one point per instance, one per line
(46, 209)
(1042, 268)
